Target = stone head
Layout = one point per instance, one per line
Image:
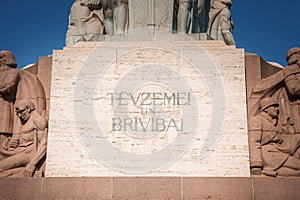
(292, 80)
(23, 109)
(7, 58)
(270, 106)
(293, 56)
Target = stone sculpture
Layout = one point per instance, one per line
(18, 145)
(284, 88)
(220, 24)
(85, 22)
(9, 80)
(115, 16)
(90, 19)
(183, 10)
(183, 17)
(120, 14)
(270, 150)
(27, 148)
(108, 17)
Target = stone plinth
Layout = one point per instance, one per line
(192, 123)
(254, 188)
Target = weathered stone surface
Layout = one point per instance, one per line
(254, 188)
(146, 188)
(279, 188)
(216, 188)
(21, 188)
(207, 67)
(77, 188)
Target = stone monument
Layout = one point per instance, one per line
(170, 108)
(150, 99)
(95, 20)
(151, 102)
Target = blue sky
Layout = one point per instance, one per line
(34, 28)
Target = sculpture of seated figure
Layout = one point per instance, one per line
(85, 22)
(28, 148)
(271, 151)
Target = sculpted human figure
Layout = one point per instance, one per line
(200, 6)
(284, 86)
(292, 86)
(220, 25)
(108, 16)
(120, 14)
(115, 16)
(9, 79)
(269, 149)
(85, 22)
(183, 16)
(27, 148)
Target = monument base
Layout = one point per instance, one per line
(198, 128)
(150, 188)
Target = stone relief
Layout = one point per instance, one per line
(24, 150)
(23, 127)
(275, 135)
(90, 19)
(9, 80)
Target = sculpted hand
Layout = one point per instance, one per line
(29, 170)
(4, 90)
(291, 121)
(94, 2)
(14, 143)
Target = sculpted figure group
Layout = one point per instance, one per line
(90, 19)
(23, 141)
(275, 126)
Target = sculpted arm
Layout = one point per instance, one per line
(41, 152)
(14, 141)
(7, 87)
(94, 4)
(42, 136)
